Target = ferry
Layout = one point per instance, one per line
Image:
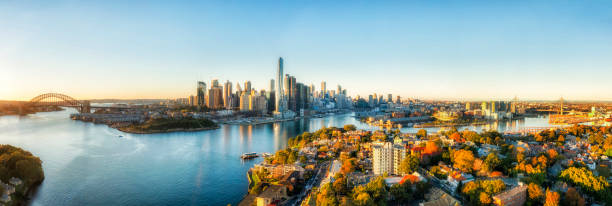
(249, 155)
(265, 154)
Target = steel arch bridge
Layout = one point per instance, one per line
(57, 99)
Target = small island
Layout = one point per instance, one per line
(20, 173)
(170, 125)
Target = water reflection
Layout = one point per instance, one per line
(87, 164)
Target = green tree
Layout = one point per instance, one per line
(363, 198)
(339, 184)
(293, 155)
(326, 196)
(491, 162)
(409, 165)
(350, 127)
(401, 193)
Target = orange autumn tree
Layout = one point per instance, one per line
(456, 137)
(464, 160)
(432, 148)
(552, 198)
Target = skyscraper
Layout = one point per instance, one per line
(323, 89)
(215, 95)
(201, 94)
(279, 86)
(272, 85)
(227, 95)
(247, 86)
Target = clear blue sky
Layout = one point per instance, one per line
(429, 49)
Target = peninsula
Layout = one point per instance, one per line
(20, 173)
(170, 125)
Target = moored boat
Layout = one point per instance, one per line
(249, 155)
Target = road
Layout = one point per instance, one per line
(316, 180)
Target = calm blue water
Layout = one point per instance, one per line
(88, 164)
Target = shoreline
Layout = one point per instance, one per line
(124, 129)
(237, 122)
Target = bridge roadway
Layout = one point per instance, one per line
(57, 99)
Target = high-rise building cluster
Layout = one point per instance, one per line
(286, 96)
(495, 110)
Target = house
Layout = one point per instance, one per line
(485, 149)
(274, 195)
(437, 197)
(290, 180)
(358, 178)
(512, 197)
(15, 181)
(281, 170)
(390, 181)
(454, 178)
(8, 190)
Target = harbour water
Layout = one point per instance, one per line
(90, 164)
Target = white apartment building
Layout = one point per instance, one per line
(387, 157)
(399, 154)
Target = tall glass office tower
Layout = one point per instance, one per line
(279, 87)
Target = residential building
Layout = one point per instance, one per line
(382, 157)
(512, 197)
(272, 196)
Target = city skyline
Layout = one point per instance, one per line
(459, 51)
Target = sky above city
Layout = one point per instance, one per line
(464, 50)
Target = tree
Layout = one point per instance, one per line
(401, 192)
(552, 198)
(409, 164)
(339, 184)
(535, 191)
(326, 196)
(573, 198)
(293, 155)
(471, 136)
(377, 189)
(561, 139)
(485, 198)
(603, 171)
(456, 137)
(348, 166)
(474, 190)
(552, 154)
(15, 162)
(422, 133)
(491, 162)
(586, 180)
(432, 148)
(350, 127)
(363, 199)
(463, 159)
